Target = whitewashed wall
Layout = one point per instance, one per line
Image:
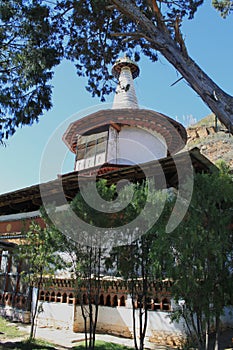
(115, 321)
(56, 315)
(135, 145)
(118, 321)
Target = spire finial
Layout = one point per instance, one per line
(125, 70)
(125, 62)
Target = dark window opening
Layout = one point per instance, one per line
(64, 298)
(166, 304)
(122, 301)
(71, 298)
(101, 299)
(58, 297)
(47, 296)
(156, 304)
(52, 296)
(115, 301)
(108, 301)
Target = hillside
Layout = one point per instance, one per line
(213, 139)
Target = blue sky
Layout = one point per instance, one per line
(209, 40)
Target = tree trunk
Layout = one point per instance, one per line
(95, 323)
(85, 324)
(134, 322)
(219, 102)
(141, 340)
(90, 325)
(193, 323)
(89, 299)
(159, 38)
(217, 334)
(144, 326)
(32, 333)
(207, 332)
(97, 293)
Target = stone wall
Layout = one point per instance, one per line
(214, 143)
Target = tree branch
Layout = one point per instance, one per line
(158, 15)
(127, 8)
(179, 38)
(171, 49)
(128, 34)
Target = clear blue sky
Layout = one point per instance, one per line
(209, 40)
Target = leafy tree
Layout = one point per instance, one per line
(198, 254)
(85, 247)
(88, 254)
(133, 261)
(92, 246)
(36, 35)
(88, 285)
(29, 52)
(134, 265)
(38, 251)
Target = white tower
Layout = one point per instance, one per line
(125, 71)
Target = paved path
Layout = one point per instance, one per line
(66, 339)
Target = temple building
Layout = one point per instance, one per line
(118, 143)
(125, 134)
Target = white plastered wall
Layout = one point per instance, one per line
(134, 145)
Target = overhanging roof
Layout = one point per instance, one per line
(29, 199)
(173, 132)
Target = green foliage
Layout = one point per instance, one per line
(133, 261)
(90, 215)
(225, 7)
(29, 50)
(39, 258)
(39, 251)
(8, 330)
(33, 345)
(136, 195)
(36, 35)
(100, 345)
(223, 167)
(11, 331)
(198, 255)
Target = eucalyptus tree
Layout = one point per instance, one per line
(198, 256)
(35, 36)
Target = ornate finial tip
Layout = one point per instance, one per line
(125, 62)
